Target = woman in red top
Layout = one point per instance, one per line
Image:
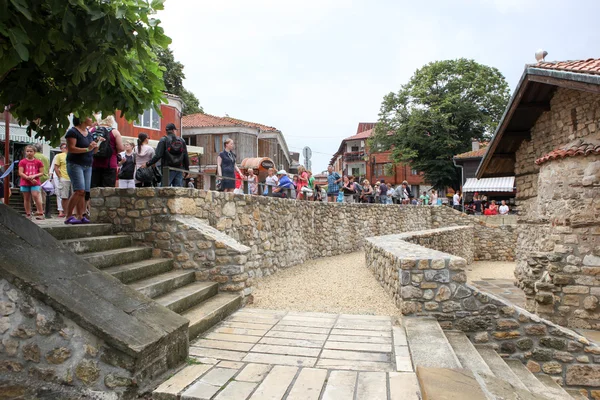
(30, 170)
(302, 182)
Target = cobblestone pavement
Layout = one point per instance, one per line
(268, 354)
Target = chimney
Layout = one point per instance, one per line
(475, 145)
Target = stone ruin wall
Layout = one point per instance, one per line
(44, 352)
(236, 239)
(558, 212)
(427, 282)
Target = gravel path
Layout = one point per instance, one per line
(340, 284)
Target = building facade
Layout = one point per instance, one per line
(354, 157)
(549, 139)
(151, 122)
(251, 140)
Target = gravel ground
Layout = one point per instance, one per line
(340, 284)
(490, 270)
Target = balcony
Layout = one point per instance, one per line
(354, 156)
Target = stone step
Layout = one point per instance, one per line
(111, 258)
(467, 354)
(209, 312)
(428, 345)
(500, 369)
(163, 283)
(188, 296)
(531, 382)
(64, 232)
(97, 243)
(549, 382)
(136, 271)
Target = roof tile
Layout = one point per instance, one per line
(589, 66)
(201, 120)
(580, 147)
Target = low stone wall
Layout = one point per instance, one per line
(491, 241)
(455, 240)
(257, 233)
(426, 282)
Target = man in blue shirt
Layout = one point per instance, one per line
(284, 183)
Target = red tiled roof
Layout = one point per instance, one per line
(361, 135)
(206, 120)
(589, 66)
(579, 147)
(472, 154)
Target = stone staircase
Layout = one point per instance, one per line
(16, 203)
(449, 353)
(178, 290)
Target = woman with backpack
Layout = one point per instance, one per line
(143, 153)
(127, 167)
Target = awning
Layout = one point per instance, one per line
(18, 134)
(503, 184)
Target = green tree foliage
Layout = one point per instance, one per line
(437, 113)
(173, 77)
(80, 56)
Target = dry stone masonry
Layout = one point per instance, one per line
(426, 281)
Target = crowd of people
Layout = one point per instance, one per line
(95, 155)
(480, 205)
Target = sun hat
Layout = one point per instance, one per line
(282, 172)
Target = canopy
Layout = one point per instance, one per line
(257, 163)
(503, 184)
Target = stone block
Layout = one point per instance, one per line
(539, 354)
(444, 293)
(507, 324)
(576, 289)
(524, 344)
(411, 292)
(590, 303)
(442, 276)
(591, 260)
(475, 324)
(583, 375)
(552, 368)
(554, 343)
(506, 335)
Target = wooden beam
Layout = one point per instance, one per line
(536, 105)
(518, 134)
(565, 83)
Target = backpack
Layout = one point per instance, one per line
(174, 152)
(127, 168)
(104, 149)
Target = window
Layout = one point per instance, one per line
(149, 119)
(219, 141)
(354, 149)
(414, 172)
(356, 171)
(379, 170)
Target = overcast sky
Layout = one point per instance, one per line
(314, 69)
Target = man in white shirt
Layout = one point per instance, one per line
(456, 200)
(503, 208)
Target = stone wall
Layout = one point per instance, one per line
(41, 347)
(425, 282)
(455, 240)
(264, 234)
(558, 205)
(491, 241)
(563, 282)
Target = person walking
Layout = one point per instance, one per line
(227, 167)
(81, 148)
(31, 170)
(104, 165)
(127, 167)
(143, 153)
(172, 152)
(333, 184)
(63, 187)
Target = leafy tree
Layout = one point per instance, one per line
(437, 113)
(58, 57)
(173, 77)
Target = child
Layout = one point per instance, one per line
(30, 170)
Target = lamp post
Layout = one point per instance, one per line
(6, 151)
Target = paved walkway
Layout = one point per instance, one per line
(503, 288)
(267, 354)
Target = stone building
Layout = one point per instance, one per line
(549, 139)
